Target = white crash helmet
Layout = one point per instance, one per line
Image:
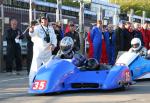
(66, 45)
(136, 43)
(148, 52)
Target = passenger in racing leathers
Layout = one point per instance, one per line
(137, 47)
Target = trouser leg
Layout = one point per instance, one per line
(9, 61)
(36, 63)
(18, 59)
(29, 59)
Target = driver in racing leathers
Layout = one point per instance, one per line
(137, 47)
(79, 60)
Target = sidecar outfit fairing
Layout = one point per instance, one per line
(61, 75)
(139, 66)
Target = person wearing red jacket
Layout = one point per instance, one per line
(90, 50)
(104, 57)
(68, 27)
(146, 35)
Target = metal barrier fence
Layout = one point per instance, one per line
(7, 13)
(22, 16)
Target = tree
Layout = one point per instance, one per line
(137, 5)
(66, 2)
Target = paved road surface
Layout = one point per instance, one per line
(13, 89)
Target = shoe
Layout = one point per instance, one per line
(14, 73)
(17, 73)
(8, 73)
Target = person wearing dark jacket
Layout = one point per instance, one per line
(75, 36)
(13, 36)
(29, 52)
(127, 36)
(59, 34)
(119, 38)
(30, 48)
(137, 33)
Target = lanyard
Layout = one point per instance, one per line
(45, 31)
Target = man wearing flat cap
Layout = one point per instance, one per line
(44, 41)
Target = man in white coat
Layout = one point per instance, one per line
(44, 41)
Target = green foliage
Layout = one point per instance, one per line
(70, 3)
(66, 2)
(52, 1)
(137, 5)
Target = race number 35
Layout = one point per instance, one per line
(39, 85)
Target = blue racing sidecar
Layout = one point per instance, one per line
(139, 66)
(60, 75)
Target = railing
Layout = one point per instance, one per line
(22, 44)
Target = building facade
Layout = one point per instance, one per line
(106, 9)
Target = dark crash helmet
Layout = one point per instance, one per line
(92, 63)
(78, 59)
(66, 45)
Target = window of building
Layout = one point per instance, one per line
(8, 2)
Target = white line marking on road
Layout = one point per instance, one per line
(12, 79)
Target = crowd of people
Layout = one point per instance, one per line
(44, 39)
(106, 42)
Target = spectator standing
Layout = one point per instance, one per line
(44, 39)
(13, 36)
(110, 44)
(96, 37)
(30, 47)
(146, 35)
(119, 35)
(68, 27)
(104, 57)
(59, 34)
(75, 36)
(127, 36)
(90, 49)
(137, 33)
(119, 38)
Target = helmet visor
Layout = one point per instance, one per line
(65, 49)
(135, 45)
